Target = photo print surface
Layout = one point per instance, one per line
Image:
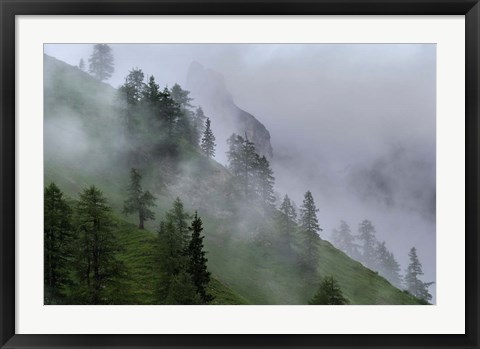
(212, 174)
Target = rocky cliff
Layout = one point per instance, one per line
(210, 92)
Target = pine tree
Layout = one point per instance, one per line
(329, 293)
(169, 112)
(208, 140)
(138, 200)
(309, 232)
(286, 221)
(345, 241)
(181, 96)
(175, 282)
(199, 124)
(414, 285)
(242, 159)
(57, 232)
(308, 215)
(197, 262)
(386, 264)
(151, 92)
(134, 87)
(96, 266)
(183, 291)
(101, 62)
(170, 259)
(367, 236)
(178, 218)
(265, 182)
(393, 271)
(81, 64)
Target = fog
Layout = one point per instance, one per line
(355, 124)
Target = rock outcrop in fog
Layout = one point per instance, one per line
(210, 91)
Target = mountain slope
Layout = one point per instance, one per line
(84, 146)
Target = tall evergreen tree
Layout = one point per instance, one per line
(81, 64)
(181, 96)
(414, 285)
(151, 92)
(169, 111)
(386, 264)
(265, 182)
(199, 124)
(208, 140)
(345, 241)
(170, 259)
(57, 233)
(101, 62)
(179, 220)
(176, 284)
(242, 159)
(367, 237)
(138, 200)
(309, 232)
(286, 221)
(197, 262)
(97, 266)
(329, 293)
(134, 87)
(308, 215)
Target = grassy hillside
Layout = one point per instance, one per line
(83, 146)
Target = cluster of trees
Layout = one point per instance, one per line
(365, 248)
(304, 229)
(252, 176)
(155, 119)
(158, 120)
(183, 275)
(81, 250)
(254, 181)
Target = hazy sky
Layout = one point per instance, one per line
(355, 124)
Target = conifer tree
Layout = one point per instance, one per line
(242, 159)
(170, 259)
(96, 265)
(208, 140)
(151, 92)
(57, 233)
(134, 87)
(101, 62)
(138, 200)
(183, 291)
(169, 111)
(265, 182)
(329, 293)
(308, 215)
(197, 262)
(386, 264)
(345, 241)
(175, 282)
(309, 232)
(199, 124)
(81, 64)
(414, 285)
(367, 236)
(181, 96)
(286, 221)
(178, 218)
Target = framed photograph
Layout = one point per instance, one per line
(239, 174)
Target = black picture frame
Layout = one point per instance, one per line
(9, 9)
